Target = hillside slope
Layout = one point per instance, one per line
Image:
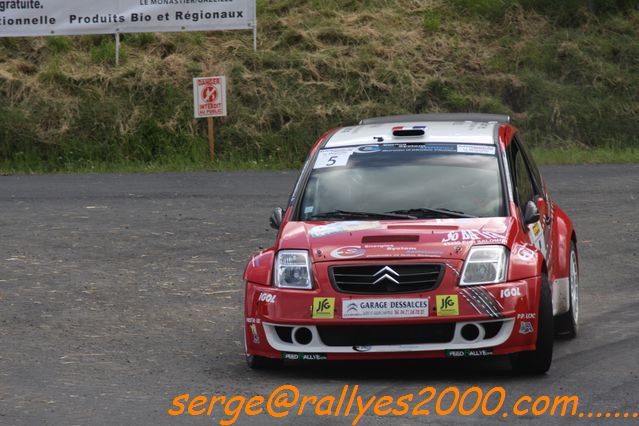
(570, 78)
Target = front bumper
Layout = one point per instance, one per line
(318, 342)
(495, 319)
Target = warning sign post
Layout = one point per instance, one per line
(209, 101)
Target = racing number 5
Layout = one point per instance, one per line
(332, 161)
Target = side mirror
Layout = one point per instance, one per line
(276, 218)
(531, 213)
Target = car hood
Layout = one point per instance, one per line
(440, 238)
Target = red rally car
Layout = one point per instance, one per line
(423, 236)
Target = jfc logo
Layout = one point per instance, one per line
(447, 305)
(323, 308)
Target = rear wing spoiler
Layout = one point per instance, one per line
(420, 118)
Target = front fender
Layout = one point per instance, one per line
(260, 268)
(526, 261)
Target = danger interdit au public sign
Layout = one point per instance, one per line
(74, 17)
(209, 96)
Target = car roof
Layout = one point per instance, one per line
(439, 128)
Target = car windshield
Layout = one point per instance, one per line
(407, 180)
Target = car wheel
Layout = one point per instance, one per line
(567, 325)
(256, 362)
(539, 360)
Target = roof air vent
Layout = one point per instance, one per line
(407, 132)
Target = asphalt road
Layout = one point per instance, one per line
(119, 292)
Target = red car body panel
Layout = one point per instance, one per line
(563, 236)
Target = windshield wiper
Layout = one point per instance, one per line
(345, 214)
(433, 212)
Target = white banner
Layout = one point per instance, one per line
(74, 17)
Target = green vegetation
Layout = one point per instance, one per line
(568, 77)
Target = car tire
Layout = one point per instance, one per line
(539, 361)
(567, 325)
(256, 362)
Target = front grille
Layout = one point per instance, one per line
(374, 335)
(381, 279)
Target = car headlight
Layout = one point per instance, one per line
(293, 270)
(485, 265)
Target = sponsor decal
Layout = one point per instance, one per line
(385, 308)
(256, 337)
(309, 209)
(526, 316)
(291, 356)
(348, 252)
(526, 328)
(447, 305)
(537, 237)
(369, 148)
(525, 254)
(253, 321)
(343, 228)
(267, 298)
(483, 301)
(476, 149)
(420, 127)
(464, 353)
(391, 250)
(328, 158)
(536, 229)
(420, 148)
(415, 252)
(505, 293)
(473, 236)
(323, 308)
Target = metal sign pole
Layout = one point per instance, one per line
(117, 49)
(255, 36)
